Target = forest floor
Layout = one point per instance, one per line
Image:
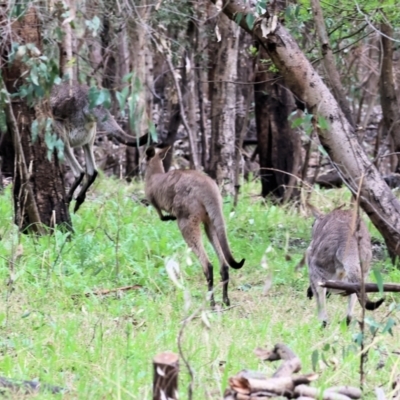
(101, 347)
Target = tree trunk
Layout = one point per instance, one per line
(142, 66)
(66, 46)
(389, 102)
(201, 76)
(39, 195)
(188, 84)
(329, 62)
(335, 132)
(278, 145)
(223, 107)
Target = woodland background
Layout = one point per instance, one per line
(208, 80)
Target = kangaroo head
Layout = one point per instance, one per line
(154, 158)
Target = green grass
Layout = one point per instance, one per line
(102, 347)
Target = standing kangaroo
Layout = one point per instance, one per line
(340, 246)
(76, 124)
(191, 198)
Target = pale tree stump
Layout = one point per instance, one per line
(165, 381)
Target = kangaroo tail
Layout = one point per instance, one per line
(217, 220)
(369, 304)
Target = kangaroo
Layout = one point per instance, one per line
(191, 198)
(76, 125)
(340, 246)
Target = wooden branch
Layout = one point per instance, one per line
(28, 387)
(165, 382)
(350, 288)
(279, 385)
(291, 362)
(316, 394)
(350, 391)
(104, 292)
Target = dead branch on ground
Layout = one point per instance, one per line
(285, 383)
(350, 288)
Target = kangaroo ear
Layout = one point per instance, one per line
(163, 152)
(150, 152)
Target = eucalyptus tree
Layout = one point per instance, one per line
(26, 78)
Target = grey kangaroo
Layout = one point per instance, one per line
(191, 198)
(76, 125)
(340, 246)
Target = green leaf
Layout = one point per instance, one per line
(390, 323)
(99, 97)
(127, 77)
(34, 76)
(121, 97)
(322, 150)
(323, 123)
(250, 20)
(358, 338)
(314, 359)
(238, 18)
(153, 131)
(35, 130)
(379, 280)
(297, 122)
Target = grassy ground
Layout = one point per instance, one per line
(102, 347)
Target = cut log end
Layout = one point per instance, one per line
(165, 383)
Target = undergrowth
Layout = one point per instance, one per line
(102, 346)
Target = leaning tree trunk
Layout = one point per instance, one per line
(278, 145)
(335, 132)
(389, 101)
(223, 107)
(39, 195)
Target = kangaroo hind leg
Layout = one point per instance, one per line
(350, 307)
(77, 170)
(191, 232)
(224, 268)
(320, 296)
(91, 173)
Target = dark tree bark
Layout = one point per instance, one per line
(39, 195)
(329, 62)
(165, 377)
(278, 145)
(172, 132)
(223, 107)
(389, 101)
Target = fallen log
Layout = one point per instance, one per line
(291, 362)
(350, 391)
(312, 392)
(350, 288)
(165, 376)
(283, 385)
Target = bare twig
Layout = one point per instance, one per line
(104, 292)
(192, 144)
